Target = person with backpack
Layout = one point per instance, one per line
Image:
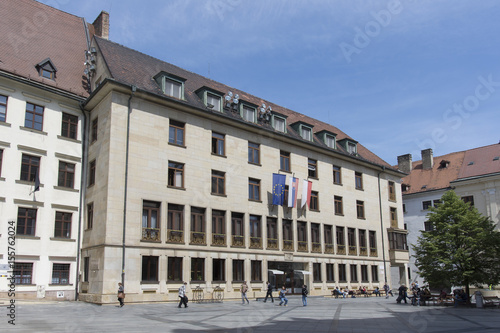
(304, 295)
(182, 295)
(269, 292)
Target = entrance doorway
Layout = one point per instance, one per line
(293, 277)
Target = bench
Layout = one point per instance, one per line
(491, 301)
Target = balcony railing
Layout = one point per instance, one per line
(151, 234)
(363, 251)
(316, 247)
(287, 245)
(329, 248)
(255, 243)
(352, 250)
(175, 236)
(373, 251)
(238, 241)
(272, 244)
(219, 239)
(340, 249)
(302, 246)
(198, 238)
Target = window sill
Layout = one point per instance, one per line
(176, 187)
(150, 241)
(60, 284)
(256, 164)
(69, 189)
(361, 218)
(150, 282)
(223, 156)
(32, 130)
(176, 145)
(314, 178)
(62, 239)
(339, 214)
(25, 182)
(314, 210)
(287, 171)
(5, 124)
(69, 139)
(27, 237)
(360, 189)
(254, 200)
(219, 195)
(339, 184)
(198, 281)
(256, 281)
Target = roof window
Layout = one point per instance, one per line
(46, 69)
(471, 163)
(170, 84)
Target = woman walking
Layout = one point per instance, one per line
(121, 294)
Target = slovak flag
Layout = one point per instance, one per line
(293, 188)
(306, 192)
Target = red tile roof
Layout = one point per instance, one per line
(32, 32)
(481, 161)
(135, 68)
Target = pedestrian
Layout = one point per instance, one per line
(269, 292)
(402, 294)
(121, 294)
(388, 291)
(244, 289)
(283, 296)
(182, 295)
(304, 295)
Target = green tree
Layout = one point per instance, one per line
(463, 249)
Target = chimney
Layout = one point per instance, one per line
(101, 25)
(404, 163)
(427, 159)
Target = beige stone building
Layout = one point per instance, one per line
(180, 188)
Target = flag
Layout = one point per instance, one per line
(37, 183)
(306, 193)
(278, 189)
(293, 188)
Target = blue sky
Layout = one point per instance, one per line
(398, 76)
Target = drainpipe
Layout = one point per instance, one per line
(129, 110)
(382, 224)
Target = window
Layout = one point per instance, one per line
(351, 148)
(197, 269)
(330, 277)
(330, 141)
(175, 223)
(364, 273)
(218, 182)
(1, 159)
(306, 133)
(3, 108)
(358, 180)
(213, 102)
(198, 226)
(302, 236)
(218, 227)
(354, 273)
(174, 272)
(60, 273)
(255, 232)
(173, 88)
(315, 237)
(428, 226)
(253, 189)
(62, 227)
(86, 269)
(66, 176)
(287, 235)
(328, 230)
(218, 144)
(256, 271)
(342, 273)
(312, 168)
(272, 233)
(351, 240)
(426, 204)
(248, 113)
(175, 174)
(338, 205)
(363, 250)
(374, 273)
(29, 167)
(238, 270)
(219, 270)
(69, 126)
(176, 133)
(46, 69)
(151, 221)
(360, 209)
(253, 153)
(92, 166)
(26, 221)
(284, 161)
(392, 191)
(237, 230)
(93, 130)
(372, 241)
(90, 215)
(394, 217)
(468, 199)
(339, 234)
(437, 202)
(34, 116)
(316, 272)
(279, 124)
(397, 241)
(337, 175)
(150, 269)
(23, 273)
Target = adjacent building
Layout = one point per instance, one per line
(473, 174)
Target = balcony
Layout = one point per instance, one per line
(373, 251)
(329, 249)
(255, 243)
(272, 244)
(302, 246)
(151, 234)
(198, 238)
(175, 236)
(287, 245)
(341, 249)
(238, 241)
(219, 239)
(363, 251)
(353, 250)
(316, 247)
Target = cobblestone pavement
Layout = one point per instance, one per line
(321, 315)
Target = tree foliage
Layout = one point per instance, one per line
(463, 248)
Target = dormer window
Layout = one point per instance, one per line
(328, 138)
(211, 98)
(46, 69)
(405, 187)
(279, 123)
(350, 146)
(444, 164)
(213, 102)
(248, 113)
(171, 85)
(304, 130)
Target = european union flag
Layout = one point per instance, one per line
(278, 189)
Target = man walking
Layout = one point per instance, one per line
(269, 292)
(182, 295)
(304, 295)
(244, 289)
